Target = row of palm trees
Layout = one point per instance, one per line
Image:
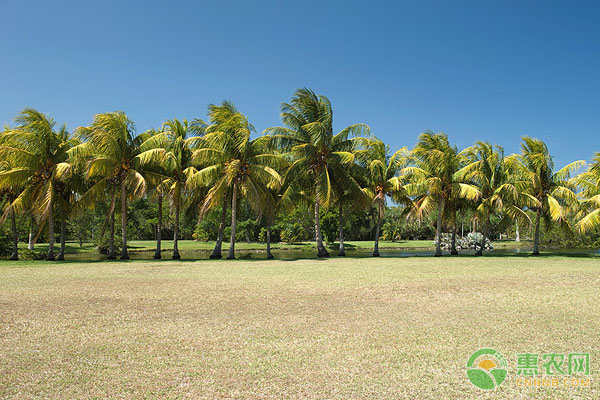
(216, 163)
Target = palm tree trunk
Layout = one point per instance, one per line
(231, 254)
(30, 244)
(13, 227)
(341, 251)
(158, 252)
(377, 230)
(269, 255)
(111, 239)
(438, 231)
(63, 231)
(217, 250)
(50, 256)
(517, 234)
(321, 250)
(453, 250)
(484, 230)
(176, 255)
(124, 255)
(536, 242)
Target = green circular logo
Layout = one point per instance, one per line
(486, 369)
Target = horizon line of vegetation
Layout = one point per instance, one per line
(214, 166)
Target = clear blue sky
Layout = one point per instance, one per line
(491, 70)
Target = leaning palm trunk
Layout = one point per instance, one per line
(217, 250)
(517, 234)
(13, 228)
(124, 255)
(341, 252)
(269, 255)
(50, 256)
(63, 230)
(111, 239)
(438, 231)
(321, 250)
(536, 242)
(176, 255)
(378, 229)
(158, 252)
(231, 254)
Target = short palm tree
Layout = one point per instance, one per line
(486, 169)
(170, 150)
(233, 164)
(382, 170)
(317, 155)
(433, 180)
(114, 166)
(550, 193)
(589, 182)
(37, 155)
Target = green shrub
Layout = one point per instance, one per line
(5, 242)
(292, 233)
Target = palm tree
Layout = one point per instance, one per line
(433, 178)
(70, 185)
(9, 195)
(382, 179)
(589, 182)
(549, 192)
(114, 166)
(486, 169)
(38, 157)
(233, 164)
(171, 151)
(318, 156)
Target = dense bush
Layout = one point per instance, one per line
(6, 240)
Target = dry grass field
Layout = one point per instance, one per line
(319, 329)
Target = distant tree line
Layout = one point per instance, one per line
(207, 179)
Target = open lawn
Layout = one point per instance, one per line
(355, 328)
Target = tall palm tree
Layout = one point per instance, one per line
(486, 169)
(550, 193)
(171, 151)
(433, 178)
(589, 182)
(234, 164)
(318, 156)
(38, 157)
(114, 166)
(383, 181)
(69, 187)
